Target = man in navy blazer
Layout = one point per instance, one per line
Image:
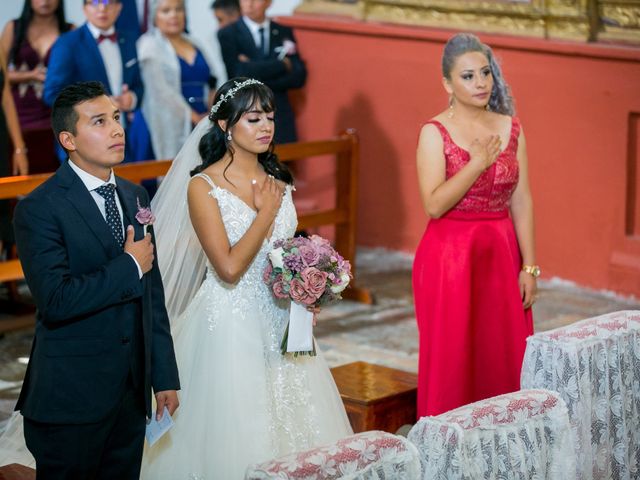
(102, 339)
(257, 47)
(96, 51)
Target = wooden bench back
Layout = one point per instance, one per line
(345, 148)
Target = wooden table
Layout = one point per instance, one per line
(376, 397)
(15, 471)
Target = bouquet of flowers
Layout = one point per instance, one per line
(311, 273)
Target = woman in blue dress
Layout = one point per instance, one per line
(177, 78)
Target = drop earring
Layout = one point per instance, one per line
(450, 112)
(229, 135)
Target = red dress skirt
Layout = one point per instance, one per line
(472, 324)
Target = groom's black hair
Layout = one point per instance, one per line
(63, 116)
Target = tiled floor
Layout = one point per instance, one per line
(383, 333)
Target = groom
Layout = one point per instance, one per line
(102, 338)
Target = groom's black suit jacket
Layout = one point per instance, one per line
(96, 321)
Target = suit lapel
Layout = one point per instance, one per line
(247, 40)
(83, 202)
(98, 63)
(274, 37)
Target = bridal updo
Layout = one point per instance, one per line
(233, 99)
(461, 43)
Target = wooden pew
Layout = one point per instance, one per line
(345, 147)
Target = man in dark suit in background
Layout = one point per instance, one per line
(226, 12)
(97, 51)
(134, 17)
(257, 47)
(102, 338)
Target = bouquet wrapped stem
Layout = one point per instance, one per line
(310, 273)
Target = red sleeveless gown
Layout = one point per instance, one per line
(472, 325)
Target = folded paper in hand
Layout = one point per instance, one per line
(157, 428)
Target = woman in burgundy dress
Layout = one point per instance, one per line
(26, 43)
(474, 274)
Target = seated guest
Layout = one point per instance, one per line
(226, 11)
(260, 48)
(177, 79)
(96, 51)
(26, 43)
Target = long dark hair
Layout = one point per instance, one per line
(21, 25)
(215, 144)
(500, 100)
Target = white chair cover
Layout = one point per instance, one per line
(595, 366)
(365, 456)
(520, 435)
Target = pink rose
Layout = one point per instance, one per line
(299, 294)
(314, 280)
(310, 255)
(279, 290)
(144, 216)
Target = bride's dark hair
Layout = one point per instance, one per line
(215, 143)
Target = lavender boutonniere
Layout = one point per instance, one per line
(144, 216)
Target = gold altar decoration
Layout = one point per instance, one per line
(582, 20)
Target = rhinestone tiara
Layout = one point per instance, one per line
(232, 91)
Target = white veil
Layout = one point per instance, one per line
(181, 259)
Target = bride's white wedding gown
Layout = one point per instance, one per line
(241, 400)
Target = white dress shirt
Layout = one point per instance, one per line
(111, 57)
(254, 29)
(92, 183)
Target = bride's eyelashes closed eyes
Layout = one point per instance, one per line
(255, 120)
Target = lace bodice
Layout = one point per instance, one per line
(237, 217)
(492, 191)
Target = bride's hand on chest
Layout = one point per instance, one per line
(268, 196)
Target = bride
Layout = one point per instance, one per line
(241, 401)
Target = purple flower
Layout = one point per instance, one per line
(293, 262)
(144, 216)
(309, 254)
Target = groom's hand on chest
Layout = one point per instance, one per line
(141, 250)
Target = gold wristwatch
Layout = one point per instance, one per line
(533, 270)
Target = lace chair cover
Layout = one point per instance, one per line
(595, 366)
(520, 435)
(365, 456)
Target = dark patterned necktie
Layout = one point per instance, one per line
(108, 192)
(261, 44)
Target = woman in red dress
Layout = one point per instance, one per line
(474, 274)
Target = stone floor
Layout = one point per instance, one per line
(383, 333)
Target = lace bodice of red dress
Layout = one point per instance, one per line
(492, 191)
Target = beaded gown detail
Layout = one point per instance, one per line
(242, 401)
(471, 321)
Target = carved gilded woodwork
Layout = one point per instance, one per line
(586, 20)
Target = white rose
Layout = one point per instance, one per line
(344, 281)
(276, 257)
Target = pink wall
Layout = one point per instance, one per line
(575, 103)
